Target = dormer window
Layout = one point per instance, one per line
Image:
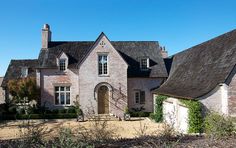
(62, 64)
(24, 72)
(144, 63)
(62, 61)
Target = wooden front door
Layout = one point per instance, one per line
(103, 100)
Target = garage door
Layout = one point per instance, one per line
(169, 113)
(182, 119)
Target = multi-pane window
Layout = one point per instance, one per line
(144, 63)
(62, 95)
(24, 72)
(102, 65)
(139, 97)
(62, 64)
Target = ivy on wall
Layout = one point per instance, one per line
(195, 118)
(158, 114)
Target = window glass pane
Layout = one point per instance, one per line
(100, 68)
(144, 63)
(136, 97)
(62, 97)
(67, 88)
(142, 97)
(67, 98)
(62, 64)
(56, 98)
(105, 68)
(62, 88)
(100, 59)
(105, 59)
(56, 88)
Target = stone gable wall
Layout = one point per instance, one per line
(117, 79)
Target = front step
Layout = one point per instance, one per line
(103, 117)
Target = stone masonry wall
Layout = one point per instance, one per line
(232, 96)
(49, 78)
(117, 79)
(143, 84)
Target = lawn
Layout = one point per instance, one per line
(121, 129)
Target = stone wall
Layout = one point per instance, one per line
(232, 96)
(213, 101)
(49, 78)
(116, 79)
(142, 84)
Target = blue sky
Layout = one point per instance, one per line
(176, 24)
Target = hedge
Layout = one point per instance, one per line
(139, 114)
(195, 117)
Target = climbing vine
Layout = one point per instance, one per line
(158, 114)
(195, 118)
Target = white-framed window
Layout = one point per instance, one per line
(103, 64)
(62, 95)
(144, 63)
(24, 72)
(62, 64)
(139, 97)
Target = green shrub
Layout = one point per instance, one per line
(61, 111)
(218, 126)
(195, 118)
(55, 111)
(139, 114)
(48, 111)
(158, 114)
(71, 109)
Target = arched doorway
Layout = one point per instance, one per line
(103, 99)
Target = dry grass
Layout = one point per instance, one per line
(122, 129)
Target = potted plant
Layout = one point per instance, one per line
(126, 114)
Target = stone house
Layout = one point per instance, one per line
(18, 69)
(205, 72)
(104, 76)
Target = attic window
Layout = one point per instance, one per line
(62, 64)
(144, 63)
(24, 72)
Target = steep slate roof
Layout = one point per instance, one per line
(198, 70)
(131, 51)
(14, 69)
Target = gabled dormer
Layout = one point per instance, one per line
(62, 62)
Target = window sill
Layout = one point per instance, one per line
(104, 75)
(58, 105)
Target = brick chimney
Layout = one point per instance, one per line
(46, 36)
(164, 53)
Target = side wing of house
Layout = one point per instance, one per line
(18, 69)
